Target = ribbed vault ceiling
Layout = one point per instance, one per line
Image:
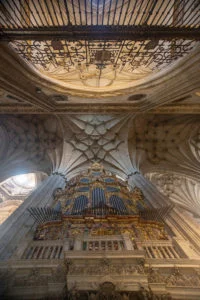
(164, 149)
(115, 82)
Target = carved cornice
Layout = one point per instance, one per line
(99, 32)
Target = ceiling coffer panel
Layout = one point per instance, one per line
(100, 44)
(24, 14)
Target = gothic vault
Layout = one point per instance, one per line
(99, 101)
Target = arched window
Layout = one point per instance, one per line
(98, 197)
(80, 204)
(117, 203)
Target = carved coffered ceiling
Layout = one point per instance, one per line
(31, 15)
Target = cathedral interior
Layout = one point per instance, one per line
(100, 149)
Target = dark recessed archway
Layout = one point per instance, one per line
(136, 97)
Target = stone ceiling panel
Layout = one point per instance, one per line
(165, 142)
(182, 191)
(94, 138)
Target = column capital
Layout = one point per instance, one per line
(133, 173)
(59, 174)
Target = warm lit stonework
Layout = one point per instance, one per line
(102, 239)
(99, 121)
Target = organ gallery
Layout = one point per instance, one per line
(102, 240)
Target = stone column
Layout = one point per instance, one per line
(78, 243)
(183, 230)
(20, 222)
(150, 192)
(176, 221)
(127, 242)
(66, 245)
(185, 248)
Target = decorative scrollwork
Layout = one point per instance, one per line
(101, 60)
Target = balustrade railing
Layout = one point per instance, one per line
(56, 249)
(43, 252)
(103, 245)
(161, 251)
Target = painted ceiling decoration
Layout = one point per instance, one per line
(68, 41)
(101, 64)
(99, 101)
(131, 62)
